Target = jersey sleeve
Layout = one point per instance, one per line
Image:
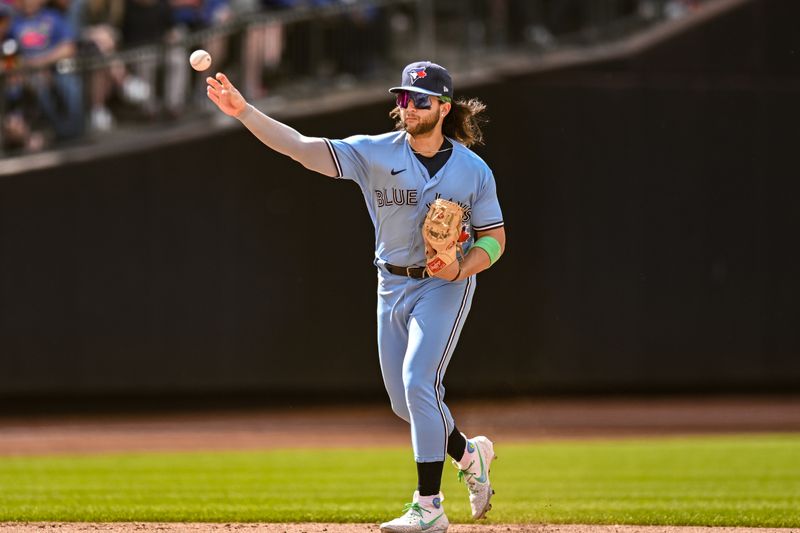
(486, 213)
(351, 157)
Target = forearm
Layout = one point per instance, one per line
(478, 257)
(61, 51)
(476, 260)
(311, 152)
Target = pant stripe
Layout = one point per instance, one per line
(443, 360)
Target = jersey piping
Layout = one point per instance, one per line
(335, 159)
(489, 226)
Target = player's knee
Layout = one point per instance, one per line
(397, 398)
(401, 410)
(417, 393)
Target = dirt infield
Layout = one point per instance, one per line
(375, 425)
(366, 528)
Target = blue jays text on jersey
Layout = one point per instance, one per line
(384, 197)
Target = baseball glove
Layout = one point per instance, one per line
(441, 232)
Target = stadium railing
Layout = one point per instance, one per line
(292, 54)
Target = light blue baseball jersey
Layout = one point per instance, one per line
(398, 191)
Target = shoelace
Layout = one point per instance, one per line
(414, 506)
(465, 473)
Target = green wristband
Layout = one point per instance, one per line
(490, 246)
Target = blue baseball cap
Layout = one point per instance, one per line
(427, 78)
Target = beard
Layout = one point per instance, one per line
(423, 125)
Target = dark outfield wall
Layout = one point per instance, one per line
(651, 218)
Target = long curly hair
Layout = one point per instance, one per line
(463, 122)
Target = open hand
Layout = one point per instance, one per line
(227, 97)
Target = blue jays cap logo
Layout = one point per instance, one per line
(416, 74)
(427, 78)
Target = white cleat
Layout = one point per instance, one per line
(419, 517)
(475, 473)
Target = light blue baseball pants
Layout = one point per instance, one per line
(419, 322)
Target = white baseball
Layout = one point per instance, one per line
(200, 60)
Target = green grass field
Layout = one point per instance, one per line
(730, 480)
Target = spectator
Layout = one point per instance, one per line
(200, 14)
(145, 22)
(8, 50)
(47, 45)
(215, 13)
(20, 131)
(359, 40)
(263, 49)
(14, 129)
(98, 24)
(190, 16)
(165, 24)
(306, 46)
(19, 109)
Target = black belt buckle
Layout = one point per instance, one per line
(421, 275)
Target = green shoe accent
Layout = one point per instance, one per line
(482, 477)
(465, 473)
(414, 506)
(428, 525)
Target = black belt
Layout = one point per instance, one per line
(411, 272)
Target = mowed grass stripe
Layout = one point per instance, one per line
(726, 480)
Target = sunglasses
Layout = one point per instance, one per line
(421, 101)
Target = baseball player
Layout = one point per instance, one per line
(437, 224)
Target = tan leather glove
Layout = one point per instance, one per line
(441, 231)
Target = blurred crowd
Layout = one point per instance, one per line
(76, 67)
(549, 23)
(65, 71)
(46, 97)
